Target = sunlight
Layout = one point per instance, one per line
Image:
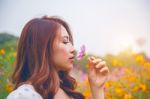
(124, 41)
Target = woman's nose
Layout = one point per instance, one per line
(72, 49)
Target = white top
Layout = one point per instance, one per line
(25, 91)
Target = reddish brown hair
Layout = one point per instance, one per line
(34, 59)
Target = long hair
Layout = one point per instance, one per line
(34, 61)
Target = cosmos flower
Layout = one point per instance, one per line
(81, 53)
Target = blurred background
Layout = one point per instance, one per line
(116, 30)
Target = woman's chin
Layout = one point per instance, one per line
(70, 67)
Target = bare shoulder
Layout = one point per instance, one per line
(25, 91)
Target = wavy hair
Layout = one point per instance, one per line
(34, 61)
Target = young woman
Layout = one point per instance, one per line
(45, 57)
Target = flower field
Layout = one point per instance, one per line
(129, 75)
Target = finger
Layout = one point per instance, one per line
(90, 61)
(101, 64)
(91, 70)
(104, 70)
(91, 58)
(96, 61)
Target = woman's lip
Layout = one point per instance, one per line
(71, 59)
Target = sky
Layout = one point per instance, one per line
(103, 26)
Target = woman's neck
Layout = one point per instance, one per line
(61, 94)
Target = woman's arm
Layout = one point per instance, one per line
(98, 74)
(97, 93)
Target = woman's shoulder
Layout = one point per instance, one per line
(25, 91)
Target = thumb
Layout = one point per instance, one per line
(90, 61)
(91, 70)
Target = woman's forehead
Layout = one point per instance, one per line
(63, 31)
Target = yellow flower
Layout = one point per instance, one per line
(15, 54)
(107, 85)
(9, 87)
(140, 87)
(143, 87)
(147, 64)
(132, 79)
(127, 96)
(115, 62)
(140, 59)
(109, 95)
(135, 89)
(86, 94)
(2, 51)
(119, 91)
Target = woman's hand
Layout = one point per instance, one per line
(98, 72)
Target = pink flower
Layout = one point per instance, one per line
(81, 53)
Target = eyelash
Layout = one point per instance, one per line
(65, 42)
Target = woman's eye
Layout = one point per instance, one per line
(65, 41)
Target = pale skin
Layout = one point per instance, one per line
(97, 75)
(64, 54)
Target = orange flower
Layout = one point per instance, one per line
(127, 96)
(114, 62)
(140, 59)
(86, 93)
(143, 87)
(15, 54)
(119, 91)
(147, 64)
(140, 87)
(9, 87)
(2, 51)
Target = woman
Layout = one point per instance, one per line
(44, 59)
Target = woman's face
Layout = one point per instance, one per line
(63, 51)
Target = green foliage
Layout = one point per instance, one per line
(8, 40)
(8, 45)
